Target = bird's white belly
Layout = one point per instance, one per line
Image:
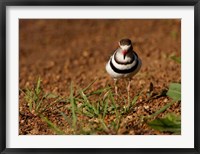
(119, 75)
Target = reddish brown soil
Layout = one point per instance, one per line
(61, 51)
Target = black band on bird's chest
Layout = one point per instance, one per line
(124, 71)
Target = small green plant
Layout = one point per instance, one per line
(170, 123)
(33, 97)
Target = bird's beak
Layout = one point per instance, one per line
(124, 52)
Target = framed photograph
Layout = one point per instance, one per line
(99, 76)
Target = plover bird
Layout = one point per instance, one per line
(124, 63)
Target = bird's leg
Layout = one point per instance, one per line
(128, 90)
(116, 88)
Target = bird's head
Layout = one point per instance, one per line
(125, 45)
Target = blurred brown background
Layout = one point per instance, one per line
(63, 50)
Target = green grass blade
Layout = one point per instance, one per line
(86, 88)
(85, 99)
(118, 119)
(50, 105)
(104, 125)
(98, 107)
(50, 95)
(88, 114)
(170, 122)
(99, 91)
(177, 59)
(161, 110)
(53, 126)
(73, 107)
(67, 119)
(105, 108)
(89, 106)
(38, 89)
(29, 99)
(130, 105)
(38, 105)
(111, 97)
(134, 100)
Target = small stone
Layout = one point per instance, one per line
(140, 100)
(57, 77)
(132, 132)
(141, 82)
(129, 117)
(85, 54)
(55, 90)
(122, 130)
(27, 84)
(79, 105)
(22, 121)
(165, 100)
(146, 107)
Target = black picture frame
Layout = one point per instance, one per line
(5, 3)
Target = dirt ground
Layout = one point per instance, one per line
(62, 51)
